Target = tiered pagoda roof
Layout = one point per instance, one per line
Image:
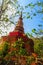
(19, 33)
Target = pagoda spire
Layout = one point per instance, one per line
(19, 25)
(21, 15)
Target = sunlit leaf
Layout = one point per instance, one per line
(33, 30)
(28, 16)
(38, 3)
(41, 31)
(31, 5)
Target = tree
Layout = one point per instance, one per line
(5, 19)
(38, 47)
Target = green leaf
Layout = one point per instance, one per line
(41, 31)
(40, 25)
(28, 16)
(39, 3)
(15, 0)
(34, 14)
(31, 5)
(17, 11)
(33, 30)
(28, 34)
(6, 19)
(5, 48)
(22, 51)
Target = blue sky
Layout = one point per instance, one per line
(29, 24)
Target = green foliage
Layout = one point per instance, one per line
(30, 59)
(33, 30)
(38, 46)
(5, 48)
(41, 31)
(30, 5)
(29, 35)
(40, 25)
(39, 3)
(28, 17)
(22, 51)
(19, 45)
(1, 53)
(6, 19)
(34, 14)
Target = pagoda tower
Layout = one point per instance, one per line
(18, 34)
(19, 25)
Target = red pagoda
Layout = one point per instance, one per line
(19, 33)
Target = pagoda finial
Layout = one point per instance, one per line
(21, 15)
